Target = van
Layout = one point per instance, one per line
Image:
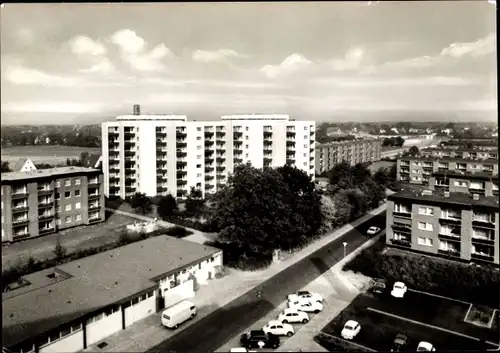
(177, 314)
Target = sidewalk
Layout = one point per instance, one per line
(217, 293)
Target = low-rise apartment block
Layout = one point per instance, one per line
(40, 202)
(459, 153)
(328, 155)
(480, 183)
(417, 170)
(454, 225)
(73, 306)
(161, 154)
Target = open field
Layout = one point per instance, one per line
(44, 153)
(382, 317)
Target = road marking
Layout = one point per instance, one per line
(467, 315)
(439, 296)
(349, 342)
(431, 326)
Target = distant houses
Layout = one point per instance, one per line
(24, 165)
(91, 160)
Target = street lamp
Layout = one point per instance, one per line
(345, 248)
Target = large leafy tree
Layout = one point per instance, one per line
(141, 203)
(194, 203)
(167, 205)
(5, 167)
(341, 177)
(414, 151)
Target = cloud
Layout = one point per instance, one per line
(134, 52)
(481, 47)
(82, 45)
(234, 84)
(53, 107)
(394, 82)
(352, 60)
(221, 55)
(291, 64)
(105, 66)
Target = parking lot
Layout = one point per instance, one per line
(419, 316)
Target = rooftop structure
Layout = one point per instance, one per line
(44, 173)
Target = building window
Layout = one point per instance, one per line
(77, 193)
(58, 184)
(246, 146)
(198, 166)
(198, 138)
(68, 219)
(67, 207)
(78, 205)
(428, 211)
(198, 175)
(246, 137)
(58, 208)
(424, 241)
(198, 156)
(67, 194)
(425, 226)
(58, 196)
(78, 217)
(461, 183)
(198, 147)
(77, 181)
(401, 208)
(246, 128)
(67, 182)
(198, 129)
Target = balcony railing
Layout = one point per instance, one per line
(94, 219)
(482, 224)
(18, 194)
(482, 257)
(45, 204)
(94, 206)
(401, 242)
(19, 209)
(237, 135)
(45, 216)
(450, 219)
(209, 177)
(237, 160)
(94, 195)
(21, 236)
(402, 227)
(209, 134)
(483, 240)
(20, 222)
(450, 236)
(450, 253)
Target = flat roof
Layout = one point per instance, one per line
(348, 142)
(456, 150)
(437, 197)
(448, 159)
(44, 173)
(467, 175)
(93, 283)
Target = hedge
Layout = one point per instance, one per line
(14, 274)
(477, 285)
(332, 344)
(236, 257)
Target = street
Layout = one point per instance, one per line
(224, 323)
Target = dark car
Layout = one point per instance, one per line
(252, 338)
(379, 286)
(399, 343)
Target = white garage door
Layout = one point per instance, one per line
(140, 308)
(104, 325)
(183, 291)
(68, 344)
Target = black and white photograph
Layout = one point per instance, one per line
(268, 176)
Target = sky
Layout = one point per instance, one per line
(324, 61)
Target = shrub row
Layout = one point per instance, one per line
(333, 344)
(478, 285)
(15, 273)
(202, 227)
(236, 257)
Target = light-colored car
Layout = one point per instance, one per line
(398, 290)
(306, 305)
(350, 330)
(277, 328)
(425, 347)
(304, 294)
(240, 349)
(293, 315)
(373, 230)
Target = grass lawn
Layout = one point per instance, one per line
(428, 309)
(378, 331)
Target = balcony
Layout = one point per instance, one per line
(161, 133)
(402, 214)
(181, 182)
(220, 159)
(181, 164)
(450, 237)
(209, 144)
(209, 186)
(452, 253)
(94, 196)
(483, 224)
(21, 236)
(237, 160)
(181, 174)
(129, 189)
(19, 209)
(406, 228)
(94, 220)
(19, 194)
(209, 134)
(181, 193)
(237, 135)
(219, 185)
(401, 242)
(46, 204)
(268, 160)
(20, 222)
(161, 165)
(450, 219)
(220, 168)
(45, 216)
(220, 176)
(237, 144)
(181, 144)
(209, 168)
(268, 134)
(483, 240)
(290, 161)
(94, 206)
(404, 171)
(220, 144)
(161, 188)
(180, 135)
(114, 169)
(93, 182)
(482, 257)
(290, 134)
(209, 177)
(220, 134)
(181, 154)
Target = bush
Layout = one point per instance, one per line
(478, 285)
(236, 257)
(332, 343)
(178, 232)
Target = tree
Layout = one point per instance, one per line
(341, 177)
(381, 177)
(328, 211)
(167, 205)
(141, 203)
(6, 167)
(59, 250)
(414, 151)
(194, 203)
(399, 141)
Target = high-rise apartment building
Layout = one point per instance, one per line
(446, 221)
(417, 170)
(160, 154)
(328, 155)
(41, 202)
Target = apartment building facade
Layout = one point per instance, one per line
(160, 154)
(328, 155)
(453, 225)
(460, 153)
(470, 183)
(417, 170)
(41, 202)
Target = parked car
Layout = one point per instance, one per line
(379, 285)
(399, 343)
(257, 338)
(350, 330)
(293, 315)
(306, 295)
(398, 290)
(240, 349)
(175, 315)
(306, 305)
(372, 231)
(425, 347)
(277, 328)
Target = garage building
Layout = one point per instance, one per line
(72, 306)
